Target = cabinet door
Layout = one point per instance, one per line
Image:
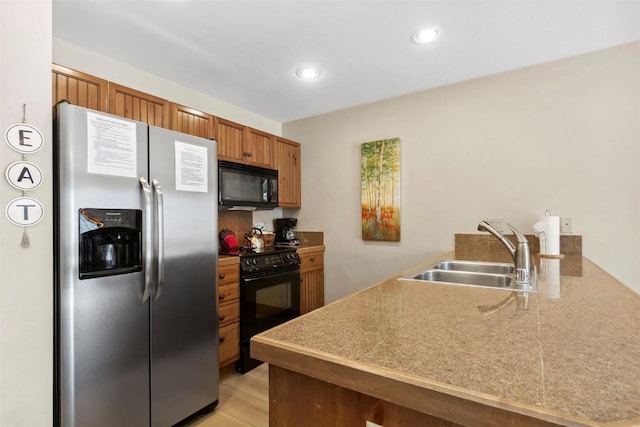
(286, 159)
(311, 290)
(78, 88)
(230, 137)
(258, 148)
(190, 121)
(228, 274)
(229, 337)
(229, 312)
(135, 105)
(311, 281)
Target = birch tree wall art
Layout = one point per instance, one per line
(380, 189)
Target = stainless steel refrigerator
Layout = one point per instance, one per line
(136, 258)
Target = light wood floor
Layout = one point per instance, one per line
(244, 401)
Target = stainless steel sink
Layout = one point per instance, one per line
(472, 273)
(466, 278)
(476, 266)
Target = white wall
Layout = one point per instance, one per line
(563, 136)
(26, 280)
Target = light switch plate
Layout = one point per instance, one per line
(566, 225)
(496, 222)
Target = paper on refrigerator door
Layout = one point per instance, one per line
(111, 146)
(191, 167)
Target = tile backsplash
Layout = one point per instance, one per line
(484, 243)
(240, 222)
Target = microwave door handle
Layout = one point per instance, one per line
(148, 241)
(269, 190)
(159, 214)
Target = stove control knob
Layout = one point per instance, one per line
(255, 261)
(247, 262)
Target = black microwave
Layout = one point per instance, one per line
(243, 186)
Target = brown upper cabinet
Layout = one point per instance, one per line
(236, 142)
(258, 148)
(286, 159)
(242, 144)
(140, 106)
(230, 138)
(78, 88)
(192, 122)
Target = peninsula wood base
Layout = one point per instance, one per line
(296, 400)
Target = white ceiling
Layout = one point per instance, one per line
(245, 52)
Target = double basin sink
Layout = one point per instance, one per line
(472, 273)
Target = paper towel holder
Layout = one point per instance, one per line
(547, 212)
(547, 256)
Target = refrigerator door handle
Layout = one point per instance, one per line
(148, 241)
(159, 214)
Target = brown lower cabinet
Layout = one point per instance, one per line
(311, 278)
(228, 314)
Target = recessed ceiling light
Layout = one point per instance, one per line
(426, 35)
(308, 73)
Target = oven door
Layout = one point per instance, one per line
(267, 301)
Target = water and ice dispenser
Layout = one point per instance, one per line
(110, 241)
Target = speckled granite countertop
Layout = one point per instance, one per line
(572, 357)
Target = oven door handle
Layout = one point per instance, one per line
(270, 276)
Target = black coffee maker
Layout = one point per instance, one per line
(284, 234)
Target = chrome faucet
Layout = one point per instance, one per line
(519, 252)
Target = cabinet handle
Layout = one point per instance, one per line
(313, 259)
(221, 297)
(222, 317)
(222, 275)
(247, 154)
(222, 338)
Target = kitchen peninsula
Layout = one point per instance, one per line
(408, 353)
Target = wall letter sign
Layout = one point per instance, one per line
(24, 138)
(24, 176)
(24, 211)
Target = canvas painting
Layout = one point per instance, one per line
(380, 189)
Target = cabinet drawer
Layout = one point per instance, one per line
(229, 339)
(311, 261)
(228, 274)
(229, 312)
(228, 292)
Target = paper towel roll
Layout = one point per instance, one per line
(548, 232)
